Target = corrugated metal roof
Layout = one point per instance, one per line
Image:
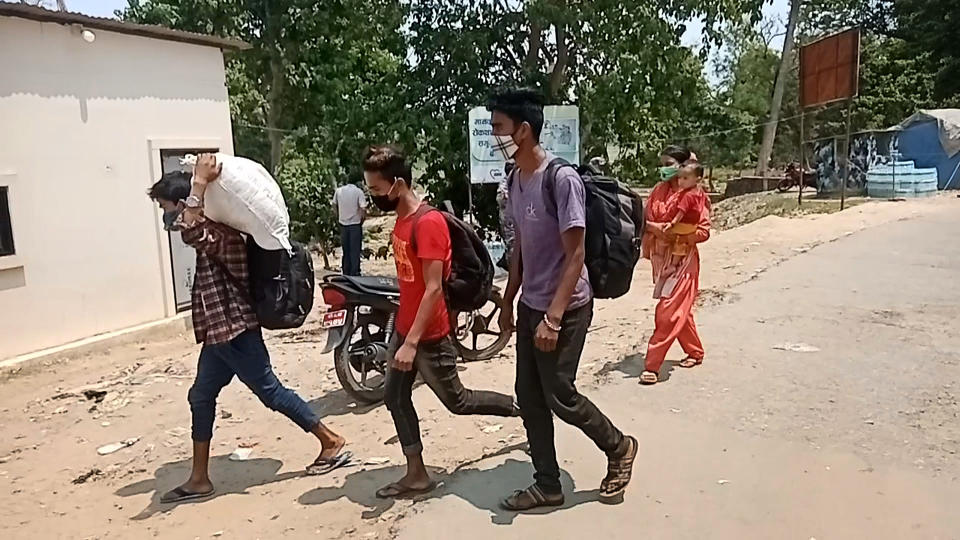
(34, 13)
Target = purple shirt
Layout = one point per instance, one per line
(539, 232)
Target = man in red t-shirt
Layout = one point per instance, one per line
(422, 344)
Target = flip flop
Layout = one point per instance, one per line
(325, 465)
(178, 495)
(690, 362)
(397, 490)
(649, 377)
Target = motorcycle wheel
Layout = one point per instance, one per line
(366, 384)
(784, 186)
(477, 333)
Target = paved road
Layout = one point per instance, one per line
(855, 440)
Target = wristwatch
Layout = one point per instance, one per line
(193, 202)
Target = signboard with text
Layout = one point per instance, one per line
(560, 136)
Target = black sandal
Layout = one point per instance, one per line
(530, 498)
(397, 490)
(179, 495)
(325, 465)
(619, 471)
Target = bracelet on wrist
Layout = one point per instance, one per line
(550, 325)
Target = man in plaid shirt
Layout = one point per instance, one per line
(225, 323)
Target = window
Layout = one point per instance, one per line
(6, 229)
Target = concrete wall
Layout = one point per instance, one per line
(81, 127)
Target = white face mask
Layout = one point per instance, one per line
(505, 145)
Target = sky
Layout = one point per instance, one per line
(97, 8)
(772, 9)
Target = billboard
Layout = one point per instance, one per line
(830, 69)
(560, 136)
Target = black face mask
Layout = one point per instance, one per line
(384, 202)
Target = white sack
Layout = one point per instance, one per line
(246, 198)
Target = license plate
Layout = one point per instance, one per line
(335, 319)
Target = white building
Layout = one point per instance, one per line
(92, 111)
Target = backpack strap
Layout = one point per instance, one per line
(549, 182)
(422, 211)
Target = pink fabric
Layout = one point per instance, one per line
(676, 280)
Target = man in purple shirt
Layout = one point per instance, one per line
(556, 306)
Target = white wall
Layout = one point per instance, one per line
(80, 124)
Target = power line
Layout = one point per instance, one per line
(755, 126)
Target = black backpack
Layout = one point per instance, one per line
(471, 269)
(615, 222)
(281, 285)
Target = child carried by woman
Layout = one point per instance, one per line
(690, 206)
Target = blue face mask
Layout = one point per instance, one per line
(169, 218)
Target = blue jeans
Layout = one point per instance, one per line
(246, 357)
(351, 240)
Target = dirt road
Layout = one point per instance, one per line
(854, 439)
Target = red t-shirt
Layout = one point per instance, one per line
(433, 243)
(691, 205)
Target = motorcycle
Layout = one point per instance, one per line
(361, 321)
(792, 177)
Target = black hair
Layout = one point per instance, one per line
(679, 153)
(173, 186)
(389, 161)
(521, 105)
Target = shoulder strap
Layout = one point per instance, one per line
(422, 211)
(548, 185)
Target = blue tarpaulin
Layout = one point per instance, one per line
(931, 139)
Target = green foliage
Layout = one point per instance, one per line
(308, 180)
(933, 27)
(327, 78)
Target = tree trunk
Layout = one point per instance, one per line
(770, 129)
(560, 67)
(532, 61)
(273, 112)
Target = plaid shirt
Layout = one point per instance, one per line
(220, 311)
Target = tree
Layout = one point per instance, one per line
(770, 129)
(321, 81)
(933, 27)
(621, 61)
(326, 78)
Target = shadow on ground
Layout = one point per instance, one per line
(482, 488)
(229, 477)
(337, 403)
(632, 366)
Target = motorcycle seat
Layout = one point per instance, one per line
(373, 283)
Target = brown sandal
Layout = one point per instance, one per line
(619, 470)
(649, 377)
(530, 498)
(690, 362)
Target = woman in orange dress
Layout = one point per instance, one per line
(675, 277)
